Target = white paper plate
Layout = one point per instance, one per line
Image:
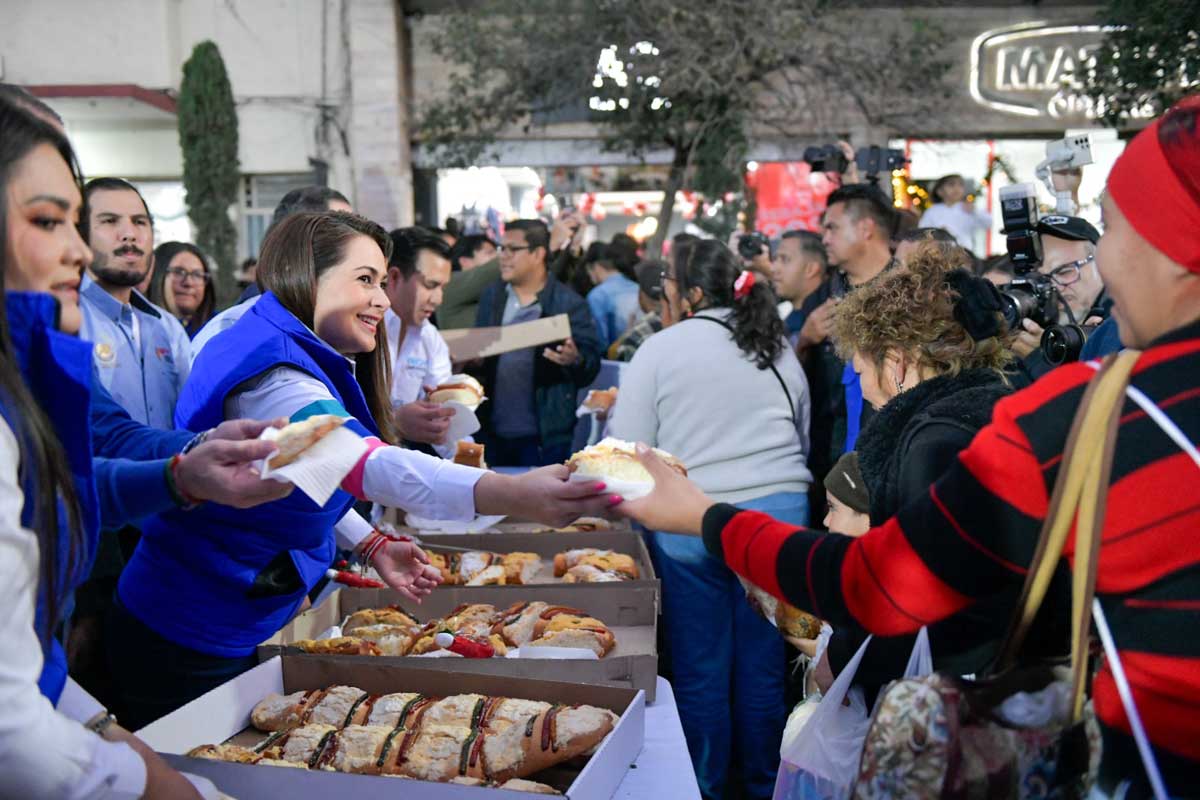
(462, 424)
(320, 469)
(630, 490)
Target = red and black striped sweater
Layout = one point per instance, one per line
(976, 529)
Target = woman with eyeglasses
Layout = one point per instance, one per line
(182, 284)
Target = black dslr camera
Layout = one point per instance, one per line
(751, 245)
(1064, 343)
(829, 158)
(870, 160)
(1031, 295)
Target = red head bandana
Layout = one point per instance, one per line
(1156, 183)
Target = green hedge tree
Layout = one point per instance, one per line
(1150, 58)
(208, 137)
(698, 80)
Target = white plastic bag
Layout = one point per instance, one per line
(822, 746)
(820, 762)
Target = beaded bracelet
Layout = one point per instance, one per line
(178, 496)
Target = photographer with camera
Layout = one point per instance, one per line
(1078, 303)
(754, 251)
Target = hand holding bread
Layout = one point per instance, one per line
(675, 504)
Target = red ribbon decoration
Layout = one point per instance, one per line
(353, 579)
(743, 284)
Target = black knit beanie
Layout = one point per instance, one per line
(846, 483)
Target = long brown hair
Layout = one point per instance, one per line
(42, 460)
(296, 253)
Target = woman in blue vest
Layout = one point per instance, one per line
(48, 508)
(205, 586)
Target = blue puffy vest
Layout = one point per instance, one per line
(58, 372)
(197, 577)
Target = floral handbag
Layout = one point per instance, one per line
(946, 737)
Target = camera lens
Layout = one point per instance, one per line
(1017, 304)
(1063, 343)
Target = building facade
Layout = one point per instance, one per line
(317, 84)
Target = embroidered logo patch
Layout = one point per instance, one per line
(163, 353)
(105, 353)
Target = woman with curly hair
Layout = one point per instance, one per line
(930, 346)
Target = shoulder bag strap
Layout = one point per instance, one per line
(1086, 445)
(778, 377)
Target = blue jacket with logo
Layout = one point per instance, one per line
(144, 373)
(57, 370)
(217, 579)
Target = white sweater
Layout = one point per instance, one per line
(44, 752)
(692, 392)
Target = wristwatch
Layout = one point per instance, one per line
(101, 722)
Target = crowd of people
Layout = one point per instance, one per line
(864, 376)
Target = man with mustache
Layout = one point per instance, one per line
(142, 354)
(417, 274)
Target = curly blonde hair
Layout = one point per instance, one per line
(911, 309)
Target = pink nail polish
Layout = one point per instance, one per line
(615, 500)
(600, 486)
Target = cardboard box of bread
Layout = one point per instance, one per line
(320, 727)
(515, 560)
(581, 632)
(396, 518)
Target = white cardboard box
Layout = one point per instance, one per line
(631, 613)
(224, 713)
(547, 546)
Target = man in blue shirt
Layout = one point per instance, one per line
(614, 299)
(142, 354)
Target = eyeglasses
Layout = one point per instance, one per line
(1070, 273)
(183, 275)
(508, 248)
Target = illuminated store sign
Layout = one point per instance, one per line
(1036, 70)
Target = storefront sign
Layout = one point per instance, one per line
(1037, 70)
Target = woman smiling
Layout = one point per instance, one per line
(204, 587)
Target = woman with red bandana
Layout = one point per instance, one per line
(974, 532)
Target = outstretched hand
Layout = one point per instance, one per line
(544, 495)
(676, 505)
(223, 468)
(404, 567)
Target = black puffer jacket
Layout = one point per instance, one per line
(907, 446)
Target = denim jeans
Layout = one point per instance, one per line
(729, 663)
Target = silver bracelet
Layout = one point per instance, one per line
(196, 441)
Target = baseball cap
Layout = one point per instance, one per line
(1073, 229)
